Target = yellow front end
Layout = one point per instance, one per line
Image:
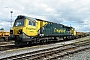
(73, 32)
(23, 29)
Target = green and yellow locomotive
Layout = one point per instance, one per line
(27, 30)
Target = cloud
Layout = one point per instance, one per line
(74, 12)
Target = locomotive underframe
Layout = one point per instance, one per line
(22, 39)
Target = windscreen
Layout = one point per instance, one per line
(19, 22)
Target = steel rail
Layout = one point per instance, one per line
(54, 52)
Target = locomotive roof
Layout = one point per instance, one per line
(54, 23)
(22, 16)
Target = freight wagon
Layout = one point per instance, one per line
(81, 34)
(4, 35)
(27, 30)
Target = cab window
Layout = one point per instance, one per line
(31, 23)
(19, 22)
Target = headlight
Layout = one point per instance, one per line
(11, 31)
(19, 31)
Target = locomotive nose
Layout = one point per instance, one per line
(20, 31)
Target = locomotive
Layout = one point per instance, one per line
(28, 30)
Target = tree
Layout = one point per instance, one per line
(2, 29)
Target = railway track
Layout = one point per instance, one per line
(9, 42)
(52, 51)
(10, 45)
(6, 45)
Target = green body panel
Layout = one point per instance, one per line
(53, 29)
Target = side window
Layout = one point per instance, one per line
(31, 23)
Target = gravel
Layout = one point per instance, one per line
(84, 55)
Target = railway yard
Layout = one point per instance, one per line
(43, 30)
(37, 39)
(64, 50)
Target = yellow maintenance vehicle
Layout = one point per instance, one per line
(4, 35)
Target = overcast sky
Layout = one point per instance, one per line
(68, 12)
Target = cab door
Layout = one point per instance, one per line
(31, 28)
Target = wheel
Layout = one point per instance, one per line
(5, 38)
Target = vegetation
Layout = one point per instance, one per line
(2, 29)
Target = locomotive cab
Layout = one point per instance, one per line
(24, 29)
